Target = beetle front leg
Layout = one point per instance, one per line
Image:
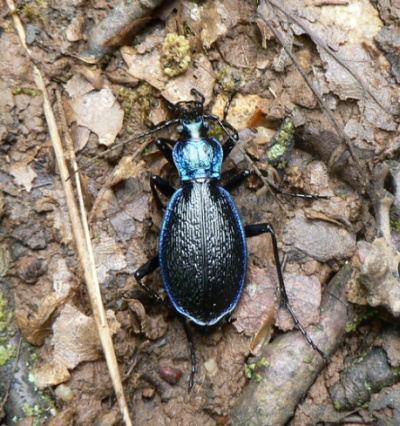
(237, 180)
(262, 228)
(227, 148)
(163, 145)
(158, 183)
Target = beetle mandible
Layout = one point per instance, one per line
(202, 246)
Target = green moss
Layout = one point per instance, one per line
(218, 133)
(4, 315)
(395, 225)
(143, 96)
(258, 377)
(175, 55)
(36, 412)
(7, 352)
(308, 359)
(276, 151)
(250, 369)
(263, 362)
(337, 406)
(25, 91)
(7, 328)
(358, 319)
(226, 82)
(127, 98)
(32, 10)
(186, 30)
(27, 410)
(281, 145)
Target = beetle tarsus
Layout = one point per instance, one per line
(262, 228)
(147, 269)
(189, 337)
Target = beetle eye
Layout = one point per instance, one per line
(179, 128)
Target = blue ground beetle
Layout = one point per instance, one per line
(202, 246)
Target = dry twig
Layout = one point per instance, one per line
(80, 230)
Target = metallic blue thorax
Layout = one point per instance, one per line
(196, 159)
(197, 156)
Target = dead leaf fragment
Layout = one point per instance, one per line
(75, 338)
(108, 256)
(152, 328)
(242, 109)
(51, 375)
(254, 314)
(100, 112)
(112, 321)
(34, 325)
(74, 30)
(320, 240)
(148, 67)
(78, 86)
(23, 175)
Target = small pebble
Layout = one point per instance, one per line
(170, 374)
(30, 269)
(64, 392)
(148, 393)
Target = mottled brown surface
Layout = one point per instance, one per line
(40, 274)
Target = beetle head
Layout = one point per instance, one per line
(192, 124)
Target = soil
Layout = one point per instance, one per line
(109, 83)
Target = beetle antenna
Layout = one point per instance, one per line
(199, 94)
(228, 104)
(234, 137)
(162, 126)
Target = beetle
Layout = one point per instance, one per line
(202, 245)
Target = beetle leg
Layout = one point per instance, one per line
(147, 269)
(228, 103)
(230, 143)
(295, 194)
(158, 183)
(199, 94)
(237, 180)
(262, 228)
(163, 145)
(192, 350)
(232, 134)
(227, 147)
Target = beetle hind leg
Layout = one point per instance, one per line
(192, 349)
(262, 228)
(147, 269)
